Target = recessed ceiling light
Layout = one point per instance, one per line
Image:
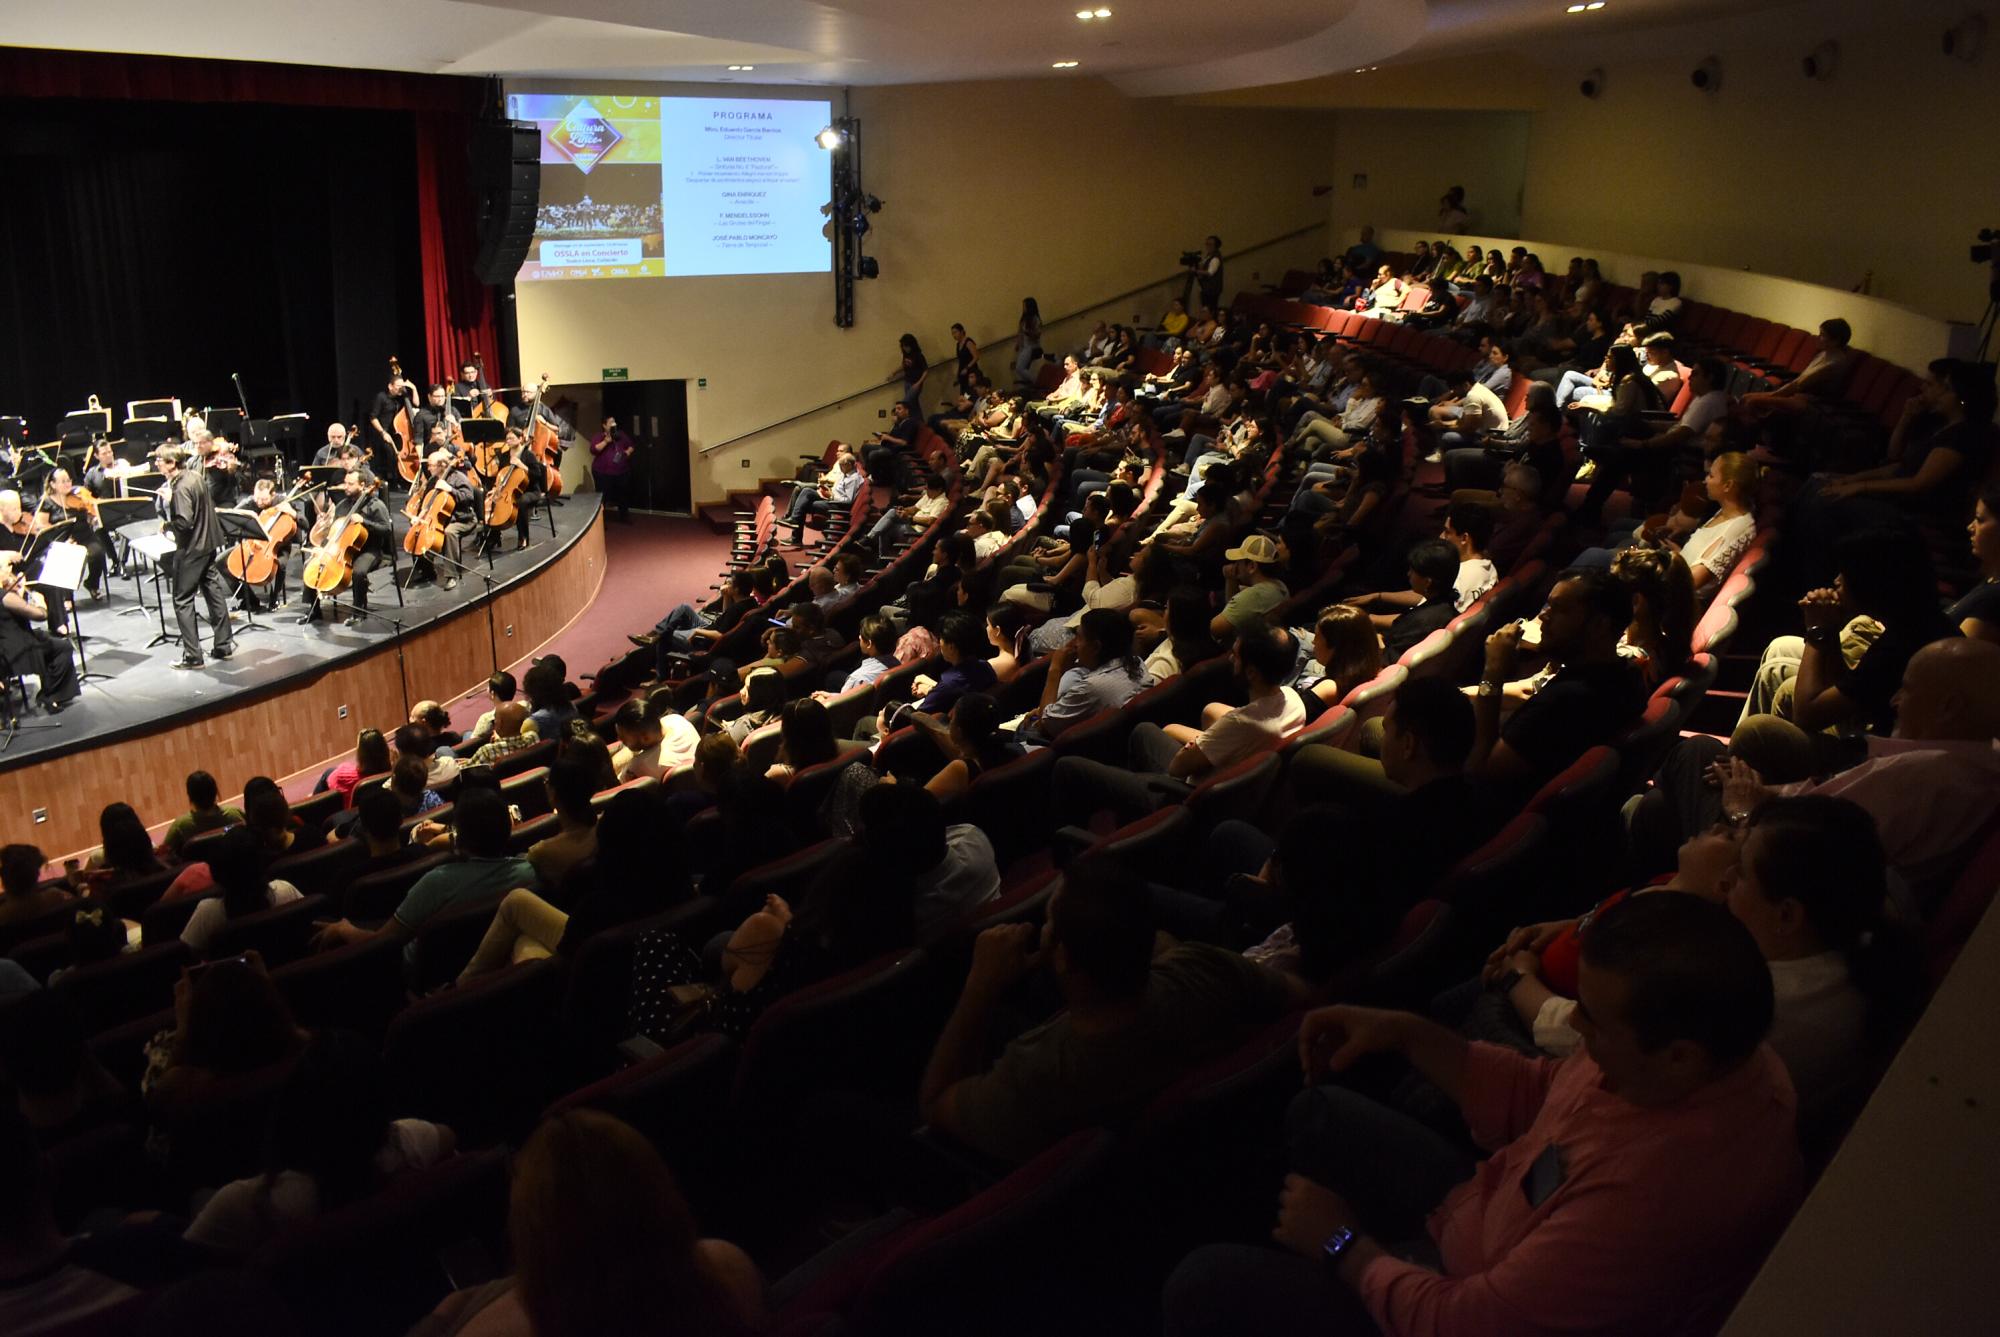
(1063, 65)
(742, 67)
(1086, 15)
(1102, 13)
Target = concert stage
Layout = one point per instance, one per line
(293, 697)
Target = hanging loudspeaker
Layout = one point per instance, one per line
(507, 184)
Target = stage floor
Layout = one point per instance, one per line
(141, 692)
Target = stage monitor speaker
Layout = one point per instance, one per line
(507, 182)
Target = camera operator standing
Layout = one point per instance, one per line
(1205, 272)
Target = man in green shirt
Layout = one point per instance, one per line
(1254, 588)
(1135, 1018)
(203, 814)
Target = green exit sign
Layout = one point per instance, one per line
(616, 374)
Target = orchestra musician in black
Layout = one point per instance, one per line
(190, 518)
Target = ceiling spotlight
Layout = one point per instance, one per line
(1102, 13)
(742, 67)
(830, 138)
(1063, 65)
(1088, 14)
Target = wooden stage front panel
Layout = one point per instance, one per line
(299, 725)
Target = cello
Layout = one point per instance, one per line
(336, 540)
(503, 498)
(428, 510)
(255, 562)
(544, 441)
(408, 463)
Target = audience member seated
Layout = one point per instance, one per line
(1823, 381)
(380, 826)
(126, 853)
(1843, 672)
(23, 898)
(203, 814)
(237, 866)
(1095, 671)
(509, 732)
(1977, 613)
(860, 906)
(231, 1030)
(1343, 651)
(1665, 1152)
(1251, 587)
(500, 689)
(1645, 464)
(1592, 694)
(1179, 636)
(550, 707)
(950, 868)
(652, 740)
(1430, 603)
(332, 1141)
(962, 643)
(638, 869)
(1931, 788)
(46, 1060)
(1133, 1019)
(1168, 761)
(805, 738)
(599, 1233)
(371, 758)
(972, 741)
(571, 786)
(482, 870)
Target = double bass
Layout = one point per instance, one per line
(484, 405)
(336, 540)
(409, 463)
(429, 511)
(543, 439)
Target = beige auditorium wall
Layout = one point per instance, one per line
(1066, 190)
(1888, 167)
(1410, 158)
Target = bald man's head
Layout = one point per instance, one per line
(1951, 692)
(508, 717)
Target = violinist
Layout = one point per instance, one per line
(400, 396)
(358, 498)
(442, 472)
(436, 415)
(215, 461)
(26, 646)
(198, 539)
(16, 525)
(105, 475)
(64, 502)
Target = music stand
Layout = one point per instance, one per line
(288, 435)
(168, 408)
(13, 431)
(84, 426)
(238, 526)
(147, 433)
(64, 561)
(224, 422)
(116, 514)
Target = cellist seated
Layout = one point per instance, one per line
(443, 510)
(522, 481)
(357, 502)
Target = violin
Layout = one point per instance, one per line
(428, 510)
(543, 440)
(337, 539)
(80, 500)
(409, 463)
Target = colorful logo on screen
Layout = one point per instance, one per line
(584, 137)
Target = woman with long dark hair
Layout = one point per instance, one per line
(604, 1243)
(126, 850)
(913, 369)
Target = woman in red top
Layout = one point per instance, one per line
(371, 757)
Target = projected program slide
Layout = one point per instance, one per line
(638, 187)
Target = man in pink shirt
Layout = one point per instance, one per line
(1632, 1188)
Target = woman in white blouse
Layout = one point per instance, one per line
(1710, 548)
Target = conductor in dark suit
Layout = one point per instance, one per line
(197, 540)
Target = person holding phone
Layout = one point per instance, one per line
(611, 452)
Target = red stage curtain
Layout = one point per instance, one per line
(458, 309)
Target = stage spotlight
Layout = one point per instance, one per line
(831, 138)
(867, 268)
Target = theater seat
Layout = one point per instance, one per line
(106, 993)
(375, 897)
(358, 987)
(856, 1031)
(1010, 803)
(279, 935)
(675, 1098)
(473, 1056)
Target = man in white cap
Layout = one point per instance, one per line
(1253, 588)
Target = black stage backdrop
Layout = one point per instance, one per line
(150, 249)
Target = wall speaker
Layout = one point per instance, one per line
(1592, 84)
(1965, 39)
(1821, 61)
(1707, 76)
(507, 186)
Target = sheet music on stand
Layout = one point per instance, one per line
(62, 566)
(155, 548)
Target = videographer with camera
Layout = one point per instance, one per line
(1204, 269)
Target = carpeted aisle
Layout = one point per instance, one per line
(651, 564)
